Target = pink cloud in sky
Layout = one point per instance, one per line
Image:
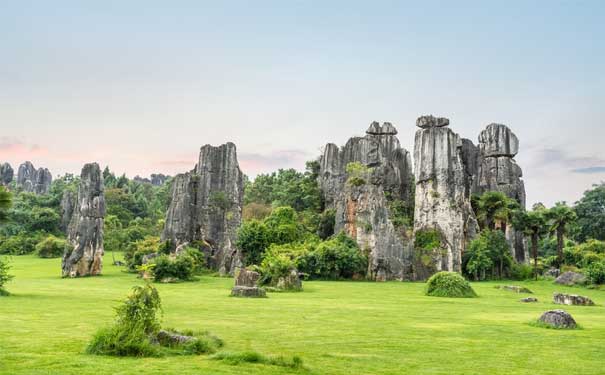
(12, 148)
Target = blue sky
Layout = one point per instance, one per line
(141, 85)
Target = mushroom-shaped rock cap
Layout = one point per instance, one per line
(498, 140)
(431, 121)
(386, 129)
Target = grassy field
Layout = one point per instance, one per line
(335, 327)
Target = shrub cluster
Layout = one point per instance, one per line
(4, 276)
(51, 247)
(136, 331)
(449, 284)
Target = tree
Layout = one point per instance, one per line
(590, 211)
(488, 252)
(5, 204)
(253, 239)
(533, 224)
(559, 217)
(493, 205)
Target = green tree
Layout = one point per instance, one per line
(492, 206)
(533, 224)
(559, 217)
(590, 211)
(253, 239)
(5, 204)
(488, 256)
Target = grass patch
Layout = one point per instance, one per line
(237, 358)
(540, 324)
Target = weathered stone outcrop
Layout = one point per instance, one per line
(443, 171)
(84, 255)
(570, 278)
(558, 319)
(290, 282)
(6, 174)
(246, 284)
(34, 180)
(206, 207)
(68, 203)
(529, 299)
(158, 179)
(571, 299)
(362, 210)
(498, 171)
(515, 288)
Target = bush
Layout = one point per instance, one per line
(337, 258)
(595, 273)
(253, 239)
(276, 264)
(137, 250)
(137, 327)
(520, 271)
(357, 173)
(19, 244)
(254, 357)
(51, 247)
(165, 267)
(449, 284)
(488, 256)
(4, 276)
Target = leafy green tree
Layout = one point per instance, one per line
(488, 256)
(5, 204)
(559, 218)
(533, 224)
(492, 206)
(253, 239)
(590, 211)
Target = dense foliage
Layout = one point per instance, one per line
(4, 275)
(488, 256)
(449, 284)
(51, 247)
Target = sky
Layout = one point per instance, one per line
(142, 85)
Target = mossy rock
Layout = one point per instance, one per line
(449, 284)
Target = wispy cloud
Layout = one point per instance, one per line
(256, 163)
(590, 170)
(573, 163)
(16, 149)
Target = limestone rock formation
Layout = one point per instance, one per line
(558, 319)
(68, 203)
(443, 172)
(246, 284)
(290, 282)
(571, 299)
(498, 171)
(6, 174)
(34, 180)
(529, 299)
(84, 255)
(158, 179)
(362, 210)
(570, 278)
(515, 288)
(206, 207)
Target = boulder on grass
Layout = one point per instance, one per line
(515, 288)
(553, 272)
(571, 299)
(168, 338)
(290, 282)
(245, 284)
(529, 299)
(558, 319)
(570, 278)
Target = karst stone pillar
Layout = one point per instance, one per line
(84, 254)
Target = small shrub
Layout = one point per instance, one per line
(166, 267)
(520, 271)
(19, 244)
(4, 276)
(449, 284)
(595, 273)
(357, 173)
(51, 247)
(337, 258)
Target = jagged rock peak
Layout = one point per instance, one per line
(386, 129)
(431, 121)
(498, 140)
(206, 206)
(84, 253)
(6, 174)
(34, 180)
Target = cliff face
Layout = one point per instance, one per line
(84, 257)
(206, 206)
(362, 210)
(6, 174)
(68, 203)
(498, 171)
(444, 179)
(34, 180)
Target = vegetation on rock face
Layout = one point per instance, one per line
(357, 173)
(449, 284)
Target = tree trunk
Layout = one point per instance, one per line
(560, 245)
(503, 226)
(534, 251)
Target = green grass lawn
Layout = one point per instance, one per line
(335, 327)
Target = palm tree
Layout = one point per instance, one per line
(533, 224)
(490, 206)
(558, 217)
(5, 203)
(505, 214)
